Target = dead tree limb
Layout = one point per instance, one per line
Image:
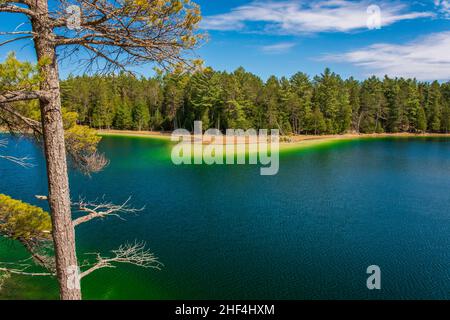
(21, 161)
(134, 254)
(20, 268)
(95, 210)
(25, 273)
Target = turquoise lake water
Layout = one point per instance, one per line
(225, 232)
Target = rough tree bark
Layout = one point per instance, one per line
(53, 132)
(116, 34)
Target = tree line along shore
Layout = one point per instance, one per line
(326, 104)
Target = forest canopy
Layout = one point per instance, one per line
(324, 104)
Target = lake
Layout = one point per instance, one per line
(225, 232)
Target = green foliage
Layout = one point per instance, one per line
(326, 104)
(434, 106)
(81, 139)
(17, 75)
(19, 220)
(141, 116)
(421, 121)
(123, 118)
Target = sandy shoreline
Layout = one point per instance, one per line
(286, 143)
(295, 141)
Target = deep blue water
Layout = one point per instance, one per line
(226, 232)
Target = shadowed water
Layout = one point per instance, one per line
(226, 232)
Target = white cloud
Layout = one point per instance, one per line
(303, 16)
(277, 48)
(443, 6)
(425, 59)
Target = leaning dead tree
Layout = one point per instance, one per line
(106, 35)
(33, 234)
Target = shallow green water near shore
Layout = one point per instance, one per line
(225, 232)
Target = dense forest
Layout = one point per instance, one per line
(325, 104)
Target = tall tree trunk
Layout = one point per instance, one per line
(55, 153)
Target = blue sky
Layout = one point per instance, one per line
(283, 37)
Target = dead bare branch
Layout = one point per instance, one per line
(101, 210)
(22, 161)
(41, 251)
(25, 273)
(134, 254)
(21, 267)
(95, 162)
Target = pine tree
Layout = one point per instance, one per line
(373, 106)
(391, 94)
(301, 110)
(271, 103)
(413, 108)
(433, 107)
(123, 119)
(102, 110)
(445, 93)
(344, 117)
(327, 98)
(317, 122)
(242, 100)
(141, 116)
(353, 88)
(421, 120)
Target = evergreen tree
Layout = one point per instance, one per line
(373, 106)
(317, 122)
(270, 100)
(327, 98)
(240, 99)
(445, 93)
(421, 120)
(391, 94)
(433, 107)
(173, 98)
(141, 116)
(301, 105)
(413, 109)
(123, 119)
(102, 110)
(353, 88)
